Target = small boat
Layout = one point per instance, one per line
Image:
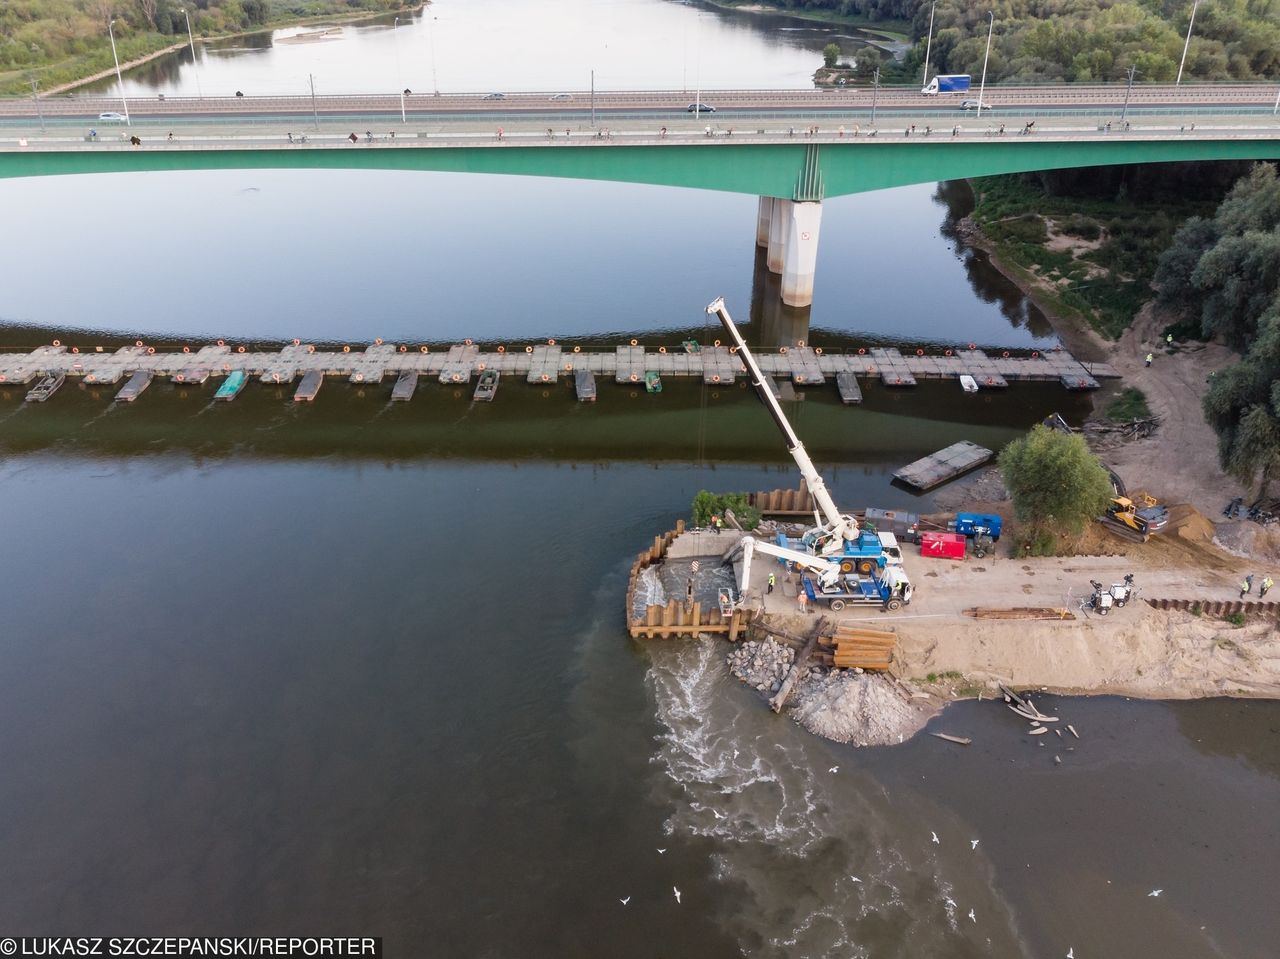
(140, 380)
(487, 387)
(46, 387)
(309, 386)
(406, 383)
(652, 382)
(232, 386)
(850, 391)
(584, 382)
(691, 346)
(190, 377)
(968, 383)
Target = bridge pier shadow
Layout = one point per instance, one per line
(776, 323)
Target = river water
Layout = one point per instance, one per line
(354, 669)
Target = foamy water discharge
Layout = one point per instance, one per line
(824, 864)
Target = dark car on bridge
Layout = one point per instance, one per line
(700, 108)
(495, 96)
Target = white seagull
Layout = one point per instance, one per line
(834, 769)
(1154, 892)
(973, 843)
(972, 916)
(717, 814)
(935, 838)
(676, 890)
(625, 901)
(1071, 952)
(661, 851)
(855, 879)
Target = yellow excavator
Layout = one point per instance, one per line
(1139, 516)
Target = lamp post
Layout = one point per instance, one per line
(120, 80)
(315, 113)
(395, 41)
(194, 66)
(1127, 90)
(928, 46)
(875, 96)
(431, 37)
(982, 88)
(35, 95)
(1191, 24)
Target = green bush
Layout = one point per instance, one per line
(707, 504)
(1131, 404)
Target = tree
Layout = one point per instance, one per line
(830, 55)
(1243, 407)
(1057, 485)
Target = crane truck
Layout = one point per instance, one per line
(835, 537)
(889, 588)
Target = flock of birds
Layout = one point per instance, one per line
(973, 845)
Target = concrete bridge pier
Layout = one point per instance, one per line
(800, 259)
(788, 230)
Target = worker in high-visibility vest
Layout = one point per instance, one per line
(772, 582)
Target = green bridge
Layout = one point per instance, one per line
(791, 172)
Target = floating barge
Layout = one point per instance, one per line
(46, 387)
(309, 387)
(930, 471)
(190, 377)
(138, 382)
(406, 384)
(487, 387)
(584, 384)
(850, 391)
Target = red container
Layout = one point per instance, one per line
(942, 545)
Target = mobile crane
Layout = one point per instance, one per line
(888, 588)
(836, 547)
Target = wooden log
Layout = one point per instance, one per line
(865, 643)
(858, 632)
(696, 615)
(953, 739)
(679, 526)
(797, 664)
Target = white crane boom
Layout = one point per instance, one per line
(845, 526)
(828, 571)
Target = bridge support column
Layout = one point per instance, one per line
(779, 217)
(800, 259)
(763, 217)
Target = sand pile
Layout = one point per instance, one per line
(863, 709)
(1191, 524)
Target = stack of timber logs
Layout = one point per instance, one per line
(676, 618)
(782, 502)
(869, 649)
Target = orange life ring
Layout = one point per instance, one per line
(733, 350)
(220, 343)
(403, 348)
(457, 377)
(634, 378)
(715, 378)
(551, 342)
(137, 342)
(186, 349)
(298, 342)
(424, 349)
(151, 349)
(545, 378)
(781, 349)
(898, 380)
(57, 342)
(862, 351)
(276, 377)
(577, 349)
(662, 349)
(528, 349)
(972, 346)
(919, 352)
(634, 343)
(377, 341)
(948, 352)
(800, 343)
(502, 349)
(817, 350)
(346, 349)
(717, 343)
(239, 349)
(75, 349)
(1005, 354)
(466, 342)
(1035, 354)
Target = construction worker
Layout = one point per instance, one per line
(1244, 588)
(1168, 339)
(1267, 583)
(1150, 357)
(1248, 582)
(803, 599)
(774, 579)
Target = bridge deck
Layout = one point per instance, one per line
(546, 363)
